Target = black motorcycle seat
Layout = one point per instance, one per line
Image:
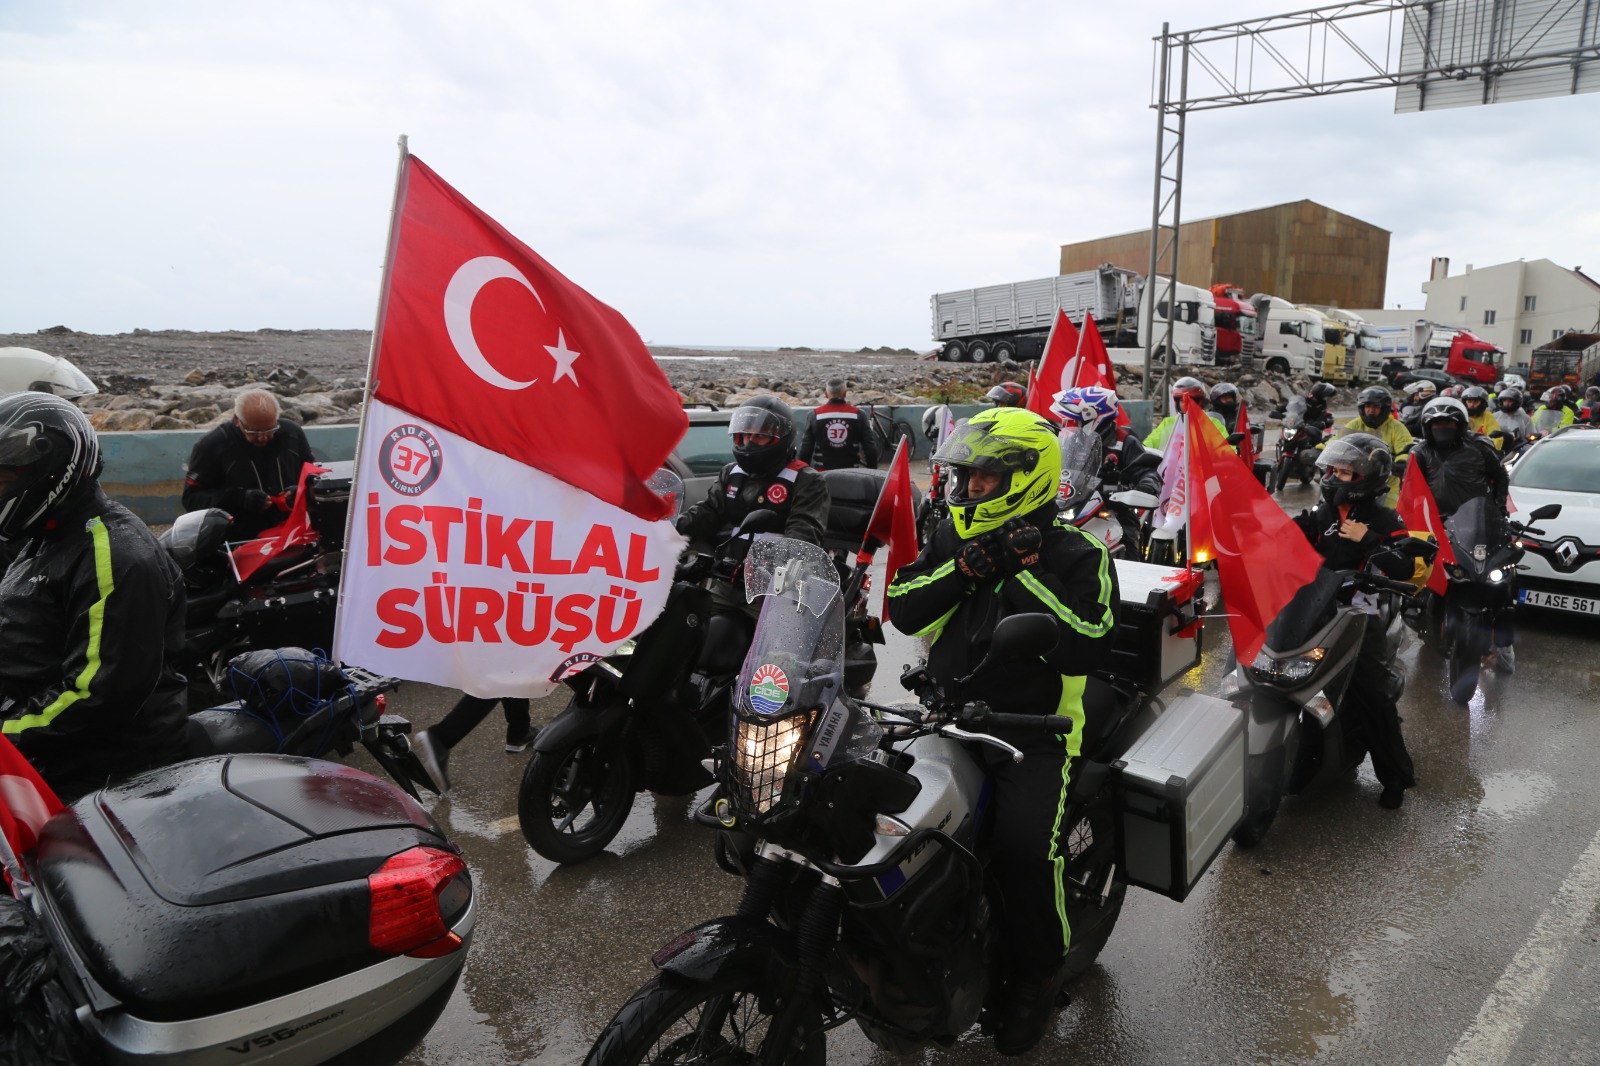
(221, 882)
(231, 730)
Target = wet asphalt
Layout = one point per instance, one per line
(1461, 929)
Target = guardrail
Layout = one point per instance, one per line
(144, 471)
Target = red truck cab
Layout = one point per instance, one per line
(1236, 326)
(1473, 358)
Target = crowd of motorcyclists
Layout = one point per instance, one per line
(91, 608)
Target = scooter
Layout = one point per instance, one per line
(1474, 616)
(860, 831)
(1294, 691)
(242, 908)
(289, 599)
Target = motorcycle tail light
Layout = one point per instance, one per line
(412, 893)
(762, 754)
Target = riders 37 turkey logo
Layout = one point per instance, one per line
(410, 460)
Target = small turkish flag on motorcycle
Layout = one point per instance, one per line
(26, 802)
(482, 337)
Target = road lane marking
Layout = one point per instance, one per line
(1510, 1006)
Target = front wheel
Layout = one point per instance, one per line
(673, 1020)
(1264, 779)
(573, 800)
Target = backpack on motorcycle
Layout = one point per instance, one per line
(285, 697)
(208, 911)
(1180, 794)
(852, 496)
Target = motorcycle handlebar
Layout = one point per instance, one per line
(1046, 723)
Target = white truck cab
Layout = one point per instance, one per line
(1194, 326)
(1291, 337)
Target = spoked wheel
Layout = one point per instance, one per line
(573, 801)
(672, 1020)
(1095, 888)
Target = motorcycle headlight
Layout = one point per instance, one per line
(1290, 670)
(1497, 575)
(762, 754)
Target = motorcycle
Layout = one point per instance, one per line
(1474, 615)
(1083, 500)
(641, 720)
(288, 599)
(1297, 447)
(860, 831)
(1293, 693)
(295, 703)
(239, 908)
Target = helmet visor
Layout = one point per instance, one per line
(23, 445)
(755, 421)
(976, 447)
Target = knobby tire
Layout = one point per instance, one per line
(672, 1020)
(573, 801)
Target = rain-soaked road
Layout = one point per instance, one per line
(1461, 929)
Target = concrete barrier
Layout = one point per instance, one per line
(144, 471)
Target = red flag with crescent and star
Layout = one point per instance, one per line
(1262, 557)
(503, 531)
(26, 802)
(1420, 512)
(481, 336)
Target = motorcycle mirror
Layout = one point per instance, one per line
(1024, 636)
(669, 486)
(761, 520)
(1235, 438)
(1549, 510)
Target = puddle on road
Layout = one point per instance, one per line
(1516, 793)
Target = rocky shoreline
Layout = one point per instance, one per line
(178, 379)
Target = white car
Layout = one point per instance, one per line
(1562, 564)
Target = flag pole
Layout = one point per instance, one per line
(372, 359)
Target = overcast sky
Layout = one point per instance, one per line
(764, 174)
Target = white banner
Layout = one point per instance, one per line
(1172, 512)
(476, 572)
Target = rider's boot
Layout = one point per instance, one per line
(1030, 1002)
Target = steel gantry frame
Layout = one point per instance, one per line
(1412, 46)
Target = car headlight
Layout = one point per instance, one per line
(1289, 670)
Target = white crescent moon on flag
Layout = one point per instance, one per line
(23, 799)
(468, 280)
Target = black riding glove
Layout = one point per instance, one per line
(256, 501)
(1022, 540)
(981, 558)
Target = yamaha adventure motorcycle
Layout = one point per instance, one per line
(235, 909)
(1474, 616)
(643, 719)
(860, 831)
(288, 600)
(1298, 733)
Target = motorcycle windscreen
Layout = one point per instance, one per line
(1547, 421)
(1306, 614)
(1294, 412)
(796, 660)
(1080, 464)
(1476, 530)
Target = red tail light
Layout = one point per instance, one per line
(406, 917)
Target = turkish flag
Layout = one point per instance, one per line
(480, 336)
(1094, 364)
(1419, 511)
(1262, 557)
(252, 555)
(894, 519)
(1247, 447)
(1055, 368)
(26, 802)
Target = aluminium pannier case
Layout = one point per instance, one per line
(1157, 637)
(1180, 794)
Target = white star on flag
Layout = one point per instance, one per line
(564, 358)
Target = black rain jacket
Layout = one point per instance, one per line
(796, 492)
(838, 436)
(91, 620)
(224, 466)
(1462, 472)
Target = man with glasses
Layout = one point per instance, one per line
(248, 466)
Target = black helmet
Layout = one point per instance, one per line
(1437, 413)
(1475, 398)
(1225, 401)
(1007, 394)
(1321, 392)
(1510, 400)
(1374, 394)
(1362, 453)
(762, 417)
(51, 448)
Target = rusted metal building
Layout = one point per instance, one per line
(1302, 251)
